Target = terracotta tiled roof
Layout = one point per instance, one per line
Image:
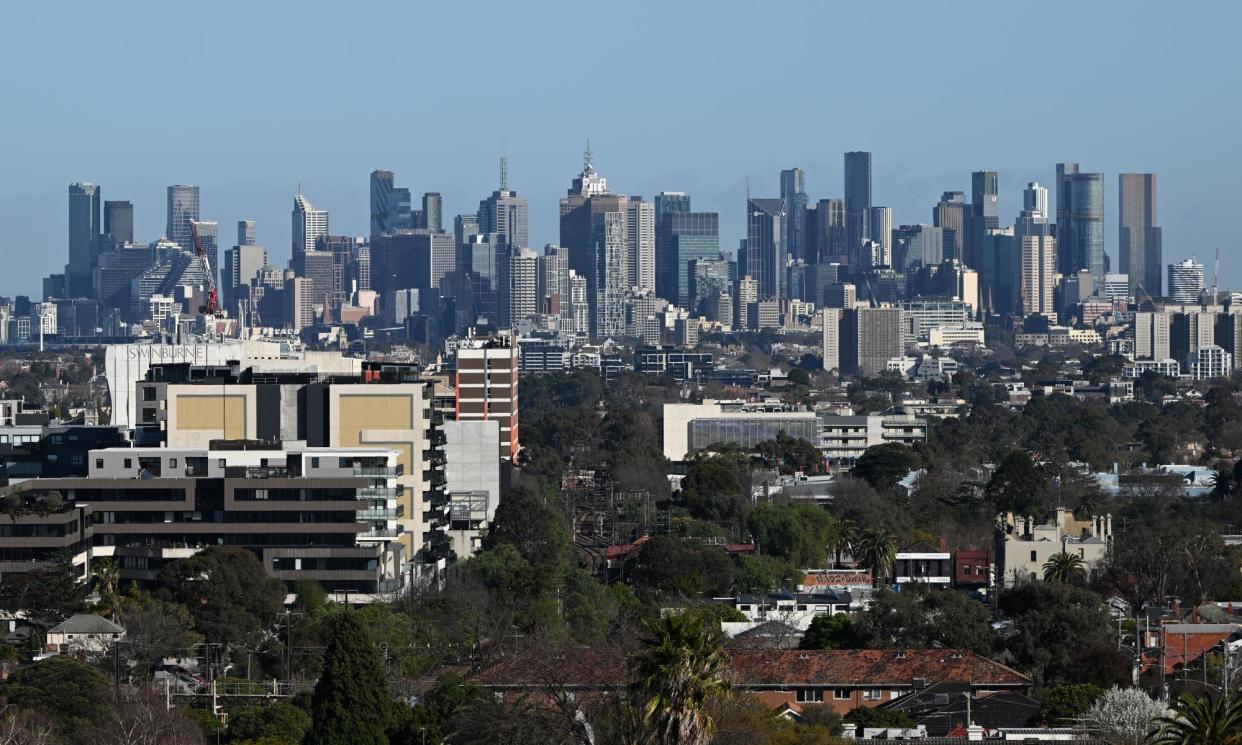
(607, 668)
(868, 667)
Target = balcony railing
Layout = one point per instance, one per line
(378, 514)
(374, 534)
(378, 472)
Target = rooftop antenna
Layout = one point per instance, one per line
(748, 188)
(1216, 278)
(586, 156)
(504, 167)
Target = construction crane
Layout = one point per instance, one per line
(212, 307)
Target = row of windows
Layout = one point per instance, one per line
(816, 695)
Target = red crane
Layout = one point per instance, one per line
(212, 308)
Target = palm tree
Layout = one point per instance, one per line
(875, 548)
(681, 671)
(107, 577)
(1200, 721)
(1065, 568)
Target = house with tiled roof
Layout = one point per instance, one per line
(842, 678)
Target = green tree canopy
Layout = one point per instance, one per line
(1051, 624)
(883, 466)
(801, 534)
(227, 592)
(73, 694)
(681, 567)
(831, 631)
(922, 617)
(278, 722)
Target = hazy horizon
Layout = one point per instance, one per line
(693, 97)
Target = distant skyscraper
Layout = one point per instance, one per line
(1139, 245)
(1185, 281)
(245, 233)
(182, 209)
(433, 212)
(1086, 223)
(1037, 258)
(597, 245)
(689, 236)
(764, 260)
(857, 198)
(391, 209)
(793, 224)
(984, 215)
(640, 234)
(308, 224)
(1035, 201)
(241, 265)
(880, 228)
(611, 272)
(118, 222)
(869, 338)
(667, 202)
(825, 232)
(950, 215)
(1066, 263)
(83, 238)
(505, 213)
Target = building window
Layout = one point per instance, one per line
(1033, 556)
(873, 694)
(260, 493)
(840, 694)
(220, 463)
(99, 463)
(128, 463)
(314, 463)
(172, 462)
(810, 695)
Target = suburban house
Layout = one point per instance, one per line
(83, 632)
(784, 679)
(1023, 544)
(794, 609)
(923, 562)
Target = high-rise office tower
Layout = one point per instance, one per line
(764, 259)
(983, 216)
(553, 277)
(666, 203)
(433, 212)
(182, 209)
(745, 295)
(922, 246)
(825, 232)
(949, 214)
(391, 208)
(241, 266)
(1139, 248)
(597, 245)
(640, 233)
(520, 287)
(1185, 281)
(1035, 201)
(118, 223)
(505, 213)
(83, 237)
(1086, 223)
(246, 233)
(308, 224)
(687, 236)
(880, 228)
(209, 234)
(1066, 263)
(857, 199)
(793, 224)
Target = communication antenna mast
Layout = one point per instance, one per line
(504, 167)
(1216, 278)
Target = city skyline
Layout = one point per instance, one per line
(249, 167)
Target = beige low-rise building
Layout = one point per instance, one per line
(1024, 545)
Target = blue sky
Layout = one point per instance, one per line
(249, 99)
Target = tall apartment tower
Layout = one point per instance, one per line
(764, 260)
(118, 223)
(857, 199)
(793, 224)
(870, 337)
(308, 224)
(522, 286)
(949, 214)
(640, 233)
(1139, 248)
(182, 209)
(1037, 258)
(84, 237)
(505, 213)
(487, 388)
(1185, 281)
(1151, 335)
